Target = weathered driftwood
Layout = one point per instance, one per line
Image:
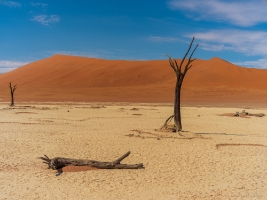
(58, 163)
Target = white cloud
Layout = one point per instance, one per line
(46, 20)
(243, 13)
(5, 70)
(38, 4)
(11, 4)
(261, 63)
(76, 53)
(214, 47)
(7, 65)
(163, 39)
(250, 43)
(242, 41)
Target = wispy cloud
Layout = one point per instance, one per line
(6, 69)
(34, 4)
(242, 13)
(10, 4)
(261, 63)
(46, 20)
(7, 65)
(76, 53)
(117, 54)
(163, 39)
(248, 42)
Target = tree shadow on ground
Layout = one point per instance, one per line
(220, 134)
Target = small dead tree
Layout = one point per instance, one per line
(12, 90)
(180, 72)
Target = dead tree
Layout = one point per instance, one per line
(58, 163)
(180, 72)
(12, 90)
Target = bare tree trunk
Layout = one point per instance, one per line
(180, 77)
(58, 163)
(12, 90)
(177, 106)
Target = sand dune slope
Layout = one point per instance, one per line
(72, 78)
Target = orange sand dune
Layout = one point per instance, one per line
(72, 78)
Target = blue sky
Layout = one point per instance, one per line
(234, 30)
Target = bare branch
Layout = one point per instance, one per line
(14, 87)
(193, 60)
(171, 63)
(47, 158)
(187, 51)
(189, 59)
(187, 69)
(121, 158)
(177, 66)
(193, 53)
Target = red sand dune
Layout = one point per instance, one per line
(72, 78)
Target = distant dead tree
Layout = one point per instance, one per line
(180, 72)
(12, 90)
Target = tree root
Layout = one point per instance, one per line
(167, 127)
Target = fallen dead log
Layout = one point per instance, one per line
(244, 114)
(58, 163)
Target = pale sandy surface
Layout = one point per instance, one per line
(175, 167)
